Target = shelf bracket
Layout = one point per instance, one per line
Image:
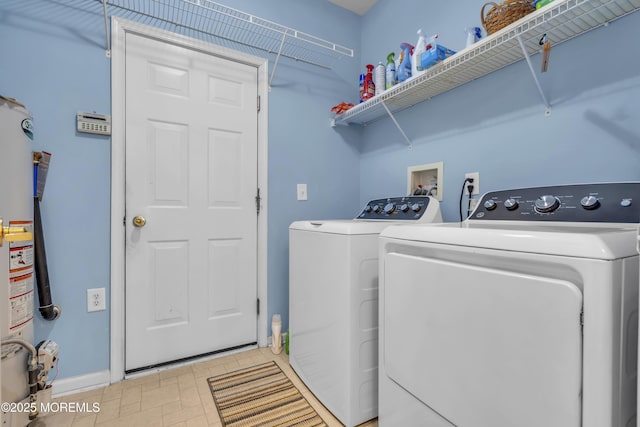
(275, 63)
(106, 28)
(404, 135)
(535, 77)
(333, 122)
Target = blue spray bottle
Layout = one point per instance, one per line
(404, 69)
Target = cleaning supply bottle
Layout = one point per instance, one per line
(473, 35)
(361, 87)
(404, 69)
(416, 68)
(276, 334)
(390, 77)
(286, 341)
(369, 86)
(379, 78)
(429, 47)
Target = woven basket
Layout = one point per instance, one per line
(504, 13)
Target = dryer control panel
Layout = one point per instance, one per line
(601, 202)
(409, 208)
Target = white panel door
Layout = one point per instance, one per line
(483, 347)
(191, 173)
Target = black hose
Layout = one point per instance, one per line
(47, 309)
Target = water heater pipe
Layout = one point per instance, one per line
(34, 370)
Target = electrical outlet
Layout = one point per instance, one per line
(96, 299)
(476, 183)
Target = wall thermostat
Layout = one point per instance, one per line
(94, 123)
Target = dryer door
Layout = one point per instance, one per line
(483, 347)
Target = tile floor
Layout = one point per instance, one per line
(177, 397)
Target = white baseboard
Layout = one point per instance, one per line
(81, 383)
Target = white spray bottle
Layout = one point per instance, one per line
(473, 35)
(417, 54)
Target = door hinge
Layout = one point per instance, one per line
(258, 306)
(258, 201)
(582, 319)
(258, 103)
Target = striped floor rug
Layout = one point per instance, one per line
(262, 396)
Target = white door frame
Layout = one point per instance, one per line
(119, 28)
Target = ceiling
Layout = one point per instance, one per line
(358, 6)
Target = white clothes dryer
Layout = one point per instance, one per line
(333, 303)
(526, 314)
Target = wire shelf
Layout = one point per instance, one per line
(231, 28)
(560, 20)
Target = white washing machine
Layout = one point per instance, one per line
(524, 315)
(333, 303)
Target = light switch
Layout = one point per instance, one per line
(302, 191)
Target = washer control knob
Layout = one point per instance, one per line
(377, 208)
(590, 202)
(511, 204)
(404, 207)
(547, 203)
(389, 208)
(416, 207)
(490, 205)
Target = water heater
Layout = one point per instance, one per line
(16, 251)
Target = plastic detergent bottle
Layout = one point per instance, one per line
(379, 78)
(473, 35)
(416, 68)
(276, 334)
(404, 69)
(431, 44)
(369, 86)
(361, 87)
(286, 342)
(390, 77)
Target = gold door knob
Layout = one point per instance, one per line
(139, 221)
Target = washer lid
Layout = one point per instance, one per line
(607, 242)
(350, 227)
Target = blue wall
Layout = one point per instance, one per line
(53, 60)
(496, 125)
